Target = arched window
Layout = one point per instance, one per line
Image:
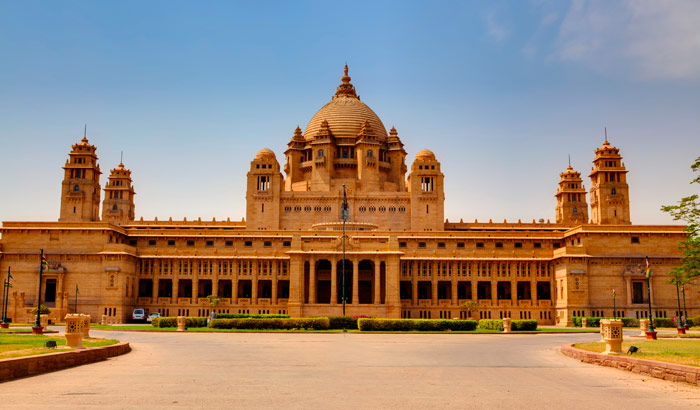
(613, 192)
(575, 210)
(369, 154)
(320, 153)
(76, 188)
(114, 207)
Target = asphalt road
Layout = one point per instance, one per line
(344, 371)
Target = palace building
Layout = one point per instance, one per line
(402, 259)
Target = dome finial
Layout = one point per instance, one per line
(346, 89)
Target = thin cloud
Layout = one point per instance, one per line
(645, 38)
(494, 28)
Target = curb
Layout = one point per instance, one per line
(668, 371)
(17, 367)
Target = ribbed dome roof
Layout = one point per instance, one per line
(425, 154)
(265, 154)
(345, 114)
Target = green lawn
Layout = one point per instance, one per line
(672, 351)
(29, 345)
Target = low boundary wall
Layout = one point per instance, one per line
(16, 367)
(660, 370)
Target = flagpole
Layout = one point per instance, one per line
(76, 298)
(5, 291)
(651, 317)
(614, 311)
(685, 309)
(37, 323)
(680, 313)
(344, 216)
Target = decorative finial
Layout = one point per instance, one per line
(346, 88)
(606, 134)
(121, 159)
(569, 160)
(85, 140)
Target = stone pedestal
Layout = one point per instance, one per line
(681, 330)
(86, 325)
(643, 327)
(181, 323)
(103, 322)
(37, 330)
(506, 325)
(74, 331)
(611, 329)
(584, 322)
(651, 335)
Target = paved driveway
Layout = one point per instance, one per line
(344, 371)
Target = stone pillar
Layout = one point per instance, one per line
(514, 292)
(181, 323)
(584, 322)
(414, 282)
(234, 282)
(392, 296)
(195, 290)
(434, 273)
(355, 281)
(275, 283)
(533, 292)
(474, 286)
(59, 296)
(612, 335)
(377, 283)
(506, 325)
(454, 272)
(643, 327)
(334, 281)
(154, 298)
(254, 292)
(215, 279)
(312, 280)
(176, 289)
(628, 288)
(296, 285)
(494, 292)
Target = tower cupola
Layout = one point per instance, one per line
(118, 205)
(80, 190)
(609, 189)
(572, 208)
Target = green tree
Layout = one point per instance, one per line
(688, 211)
(470, 306)
(214, 301)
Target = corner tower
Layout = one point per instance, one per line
(80, 191)
(425, 183)
(118, 205)
(572, 208)
(265, 185)
(609, 190)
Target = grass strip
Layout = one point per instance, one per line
(685, 352)
(30, 345)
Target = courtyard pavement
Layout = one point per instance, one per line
(344, 371)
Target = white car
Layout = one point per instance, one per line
(151, 316)
(138, 315)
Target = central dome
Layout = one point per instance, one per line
(345, 114)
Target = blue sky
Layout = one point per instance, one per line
(501, 91)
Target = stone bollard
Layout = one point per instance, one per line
(86, 325)
(103, 322)
(506, 325)
(584, 322)
(643, 327)
(74, 331)
(612, 335)
(181, 323)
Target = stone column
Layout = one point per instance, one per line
(494, 292)
(155, 289)
(514, 292)
(215, 278)
(628, 288)
(434, 280)
(312, 280)
(392, 296)
(254, 271)
(234, 281)
(296, 284)
(455, 271)
(195, 281)
(414, 282)
(59, 295)
(176, 289)
(533, 291)
(334, 281)
(377, 283)
(275, 279)
(355, 281)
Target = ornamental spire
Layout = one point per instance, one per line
(345, 88)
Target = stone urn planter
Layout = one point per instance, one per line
(643, 327)
(612, 335)
(506, 325)
(74, 330)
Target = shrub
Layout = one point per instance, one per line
(43, 310)
(405, 325)
(342, 322)
(594, 321)
(172, 322)
(663, 322)
(523, 325)
(248, 315)
(491, 324)
(316, 323)
(694, 321)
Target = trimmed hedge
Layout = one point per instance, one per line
(172, 322)
(523, 325)
(315, 323)
(250, 316)
(594, 321)
(663, 322)
(342, 322)
(405, 325)
(491, 324)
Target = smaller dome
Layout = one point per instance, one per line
(265, 154)
(426, 155)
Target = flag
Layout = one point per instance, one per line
(648, 268)
(9, 274)
(45, 263)
(613, 293)
(7, 284)
(345, 204)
